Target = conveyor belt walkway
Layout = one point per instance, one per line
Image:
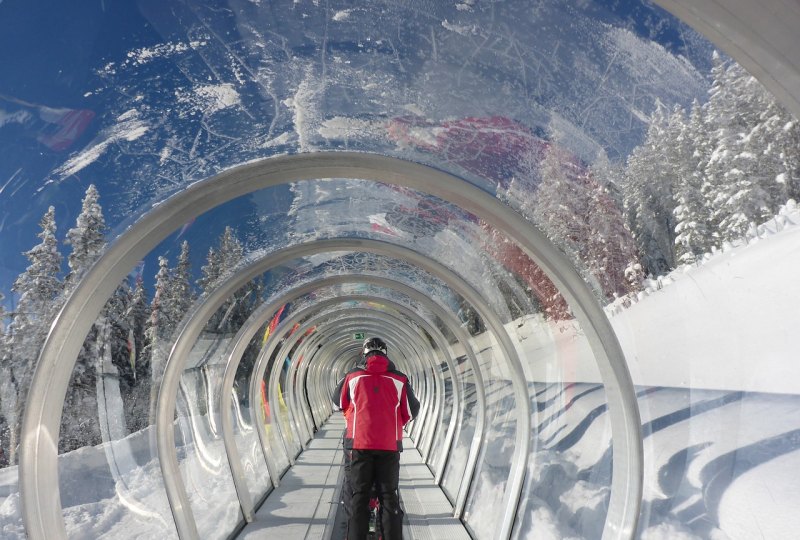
(304, 506)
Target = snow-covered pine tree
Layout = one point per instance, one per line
(139, 313)
(648, 200)
(161, 323)
(79, 426)
(87, 238)
(729, 124)
(7, 393)
(137, 405)
(787, 144)
(112, 361)
(220, 262)
(178, 297)
(159, 330)
(3, 316)
(559, 200)
(210, 272)
(610, 247)
(692, 235)
(775, 143)
(40, 294)
(182, 288)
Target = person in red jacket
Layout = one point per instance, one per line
(378, 401)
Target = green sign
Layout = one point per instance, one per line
(359, 335)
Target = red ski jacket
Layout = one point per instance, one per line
(376, 406)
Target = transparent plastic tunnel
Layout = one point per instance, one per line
(575, 223)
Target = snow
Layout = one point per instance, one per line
(754, 324)
(128, 128)
(709, 348)
(464, 30)
(17, 117)
(280, 140)
(669, 531)
(345, 128)
(342, 15)
(776, 520)
(146, 54)
(210, 98)
(304, 105)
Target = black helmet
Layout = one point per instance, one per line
(373, 344)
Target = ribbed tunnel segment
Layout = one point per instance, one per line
(74, 320)
(385, 164)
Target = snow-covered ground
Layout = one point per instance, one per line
(712, 351)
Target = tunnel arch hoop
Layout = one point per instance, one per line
(392, 320)
(243, 336)
(283, 327)
(287, 323)
(397, 329)
(445, 350)
(266, 358)
(413, 352)
(233, 354)
(463, 339)
(193, 323)
(39, 445)
(191, 330)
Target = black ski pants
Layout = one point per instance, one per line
(382, 468)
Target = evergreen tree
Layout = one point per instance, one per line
(746, 167)
(40, 292)
(787, 145)
(211, 271)
(692, 235)
(730, 117)
(220, 262)
(162, 322)
(159, 329)
(648, 199)
(79, 426)
(182, 289)
(119, 327)
(7, 392)
(231, 250)
(139, 314)
(87, 238)
(137, 399)
(559, 198)
(610, 248)
(766, 141)
(3, 316)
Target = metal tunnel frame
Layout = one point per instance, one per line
(441, 342)
(392, 326)
(453, 324)
(38, 451)
(357, 319)
(403, 339)
(234, 354)
(194, 323)
(341, 360)
(291, 320)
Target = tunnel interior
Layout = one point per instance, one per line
(574, 224)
